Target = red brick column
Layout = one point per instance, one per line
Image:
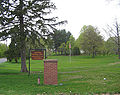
(50, 72)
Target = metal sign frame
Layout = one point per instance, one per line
(30, 57)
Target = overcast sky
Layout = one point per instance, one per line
(98, 13)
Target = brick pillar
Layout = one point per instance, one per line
(50, 72)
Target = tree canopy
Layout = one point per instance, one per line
(59, 37)
(90, 39)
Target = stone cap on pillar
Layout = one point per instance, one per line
(50, 61)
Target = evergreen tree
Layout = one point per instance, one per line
(59, 37)
(29, 16)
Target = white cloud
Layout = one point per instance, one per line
(86, 12)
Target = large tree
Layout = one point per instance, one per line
(29, 16)
(90, 39)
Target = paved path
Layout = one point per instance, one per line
(3, 60)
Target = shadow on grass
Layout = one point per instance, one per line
(13, 62)
(9, 72)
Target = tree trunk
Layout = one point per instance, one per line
(10, 60)
(23, 60)
(119, 55)
(23, 37)
(16, 61)
(118, 52)
(118, 40)
(93, 54)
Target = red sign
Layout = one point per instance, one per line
(37, 55)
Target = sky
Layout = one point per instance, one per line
(78, 13)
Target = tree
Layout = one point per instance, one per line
(59, 37)
(65, 46)
(111, 46)
(29, 17)
(90, 39)
(62, 48)
(102, 50)
(72, 41)
(3, 49)
(14, 50)
(80, 38)
(114, 33)
(76, 51)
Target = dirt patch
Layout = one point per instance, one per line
(80, 82)
(114, 63)
(36, 72)
(69, 72)
(67, 78)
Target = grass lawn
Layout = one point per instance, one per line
(84, 75)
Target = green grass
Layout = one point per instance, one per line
(84, 75)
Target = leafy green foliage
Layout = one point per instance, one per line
(14, 51)
(111, 46)
(3, 48)
(76, 51)
(60, 37)
(72, 41)
(90, 40)
(63, 49)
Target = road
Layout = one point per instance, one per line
(3, 60)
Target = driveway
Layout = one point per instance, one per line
(3, 60)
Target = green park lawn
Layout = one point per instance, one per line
(84, 76)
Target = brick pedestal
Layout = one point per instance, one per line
(50, 72)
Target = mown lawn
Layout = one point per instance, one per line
(84, 75)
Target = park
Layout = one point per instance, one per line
(75, 54)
